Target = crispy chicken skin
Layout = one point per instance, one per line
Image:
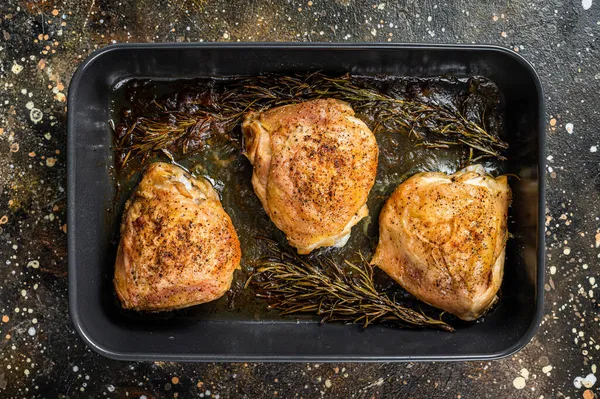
(443, 238)
(314, 165)
(178, 247)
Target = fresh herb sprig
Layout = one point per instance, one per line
(294, 284)
(182, 132)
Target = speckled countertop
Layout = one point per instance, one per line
(43, 41)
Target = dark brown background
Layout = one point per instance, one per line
(41, 44)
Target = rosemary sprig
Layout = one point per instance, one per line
(294, 284)
(431, 124)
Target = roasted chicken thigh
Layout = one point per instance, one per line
(178, 247)
(443, 238)
(314, 165)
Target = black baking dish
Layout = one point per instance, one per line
(91, 189)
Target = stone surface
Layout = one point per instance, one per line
(41, 44)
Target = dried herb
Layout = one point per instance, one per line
(294, 284)
(171, 129)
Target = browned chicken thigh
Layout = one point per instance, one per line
(178, 247)
(443, 239)
(314, 165)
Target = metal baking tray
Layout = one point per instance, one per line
(91, 190)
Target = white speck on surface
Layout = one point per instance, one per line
(587, 382)
(111, 388)
(381, 6)
(524, 373)
(519, 382)
(592, 281)
(29, 105)
(593, 148)
(16, 68)
(552, 269)
(567, 251)
(328, 383)
(36, 115)
(75, 368)
(226, 35)
(586, 4)
(374, 32)
(546, 369)
(377, 383)
(31, 331)
(143, 397)
(569, 128)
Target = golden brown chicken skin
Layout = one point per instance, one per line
(443, 238)
(314, 165)
(178, 247)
